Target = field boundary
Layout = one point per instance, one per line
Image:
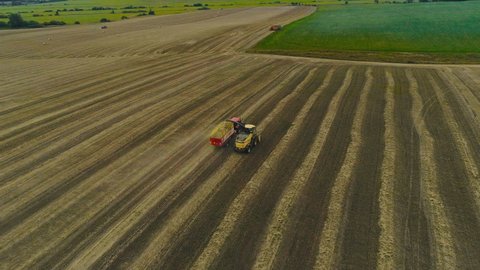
(381, 56)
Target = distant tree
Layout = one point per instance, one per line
(15, 20)
(32, 24)
(54, 22)
(113, 11)
(104, 20)
(124, 17)
(77, 22)
(57, 13)
(151, 5)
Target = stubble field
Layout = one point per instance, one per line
(105, 162)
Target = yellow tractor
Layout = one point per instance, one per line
(247, 138)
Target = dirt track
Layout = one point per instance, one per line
(105, 162)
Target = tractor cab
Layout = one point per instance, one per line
(250, 129)
(247, 138)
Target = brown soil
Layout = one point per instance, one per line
(105, 162)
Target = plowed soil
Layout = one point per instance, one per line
(105, 161)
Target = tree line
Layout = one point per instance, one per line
(15, 21)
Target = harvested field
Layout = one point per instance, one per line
(105, 162)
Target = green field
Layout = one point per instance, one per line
(46, 12)
(417, 32)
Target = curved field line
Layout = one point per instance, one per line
(442, 246)
(193, 112)
(470, 79)
(452, 173)
(14, 184)
(67, 74)
(326, 258)
(459, 83)
(461, 144)
(388, 255)
(56, 89)
(60, 125)
(79, 85)
(48, 113)
(190, 209)
(92, 256)
(413, 233)
(161, 215)
(193, 153)
(358, 241)
(139, 175)
(134, 120)
(189, 244)
(277, 226)
(249, 192)
(95, 131)
(234, 39)
(74, 126)
(63, 114)
(105, 161)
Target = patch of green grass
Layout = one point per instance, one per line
(87, 15)
(46, 12)
(437, 28)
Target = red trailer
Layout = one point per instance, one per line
(225, 131)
